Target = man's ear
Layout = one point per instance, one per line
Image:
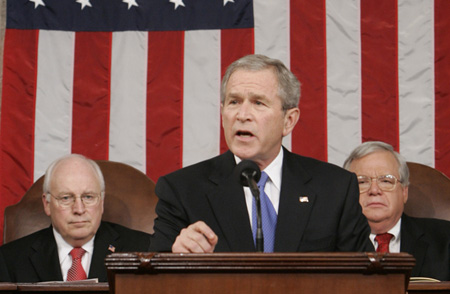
(405, 194)
(290, 120)
(46, 205)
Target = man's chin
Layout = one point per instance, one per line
(375, 212)
(78, 238)
(376, 216)
(244, 153)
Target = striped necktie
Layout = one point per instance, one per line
(76, 272)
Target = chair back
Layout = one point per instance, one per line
(428, 193)
(130, 200)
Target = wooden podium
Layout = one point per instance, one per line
(259, 273)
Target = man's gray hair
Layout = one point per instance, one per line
(49, 173)
(376, 146)
(288, 84)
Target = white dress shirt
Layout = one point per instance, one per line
(65, 259)
(394, 244)
(273, 184)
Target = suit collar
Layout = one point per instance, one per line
(296, 202)
(45, 257)
(45, 261)
(227, 200)
(222, 166)
(105, 242)
(411, 242)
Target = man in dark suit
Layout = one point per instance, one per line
(383, 177)
(73, 197)
(203, 208)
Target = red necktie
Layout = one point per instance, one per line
(383, 242)
(76, 272)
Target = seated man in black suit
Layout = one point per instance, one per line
(74, 191)
(311, 205)
(383, 177)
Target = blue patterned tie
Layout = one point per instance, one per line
(268, 216)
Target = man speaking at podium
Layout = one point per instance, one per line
(306, 205)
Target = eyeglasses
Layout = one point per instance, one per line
(386, 183)
(67, 200)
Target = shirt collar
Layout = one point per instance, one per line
(64, 248)
(273, 170)
(395, 231)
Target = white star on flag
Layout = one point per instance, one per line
(37, 3)
(177, 3)
(130, 3)
(84, 3)
(226, 1)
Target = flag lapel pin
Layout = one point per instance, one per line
(303, 199)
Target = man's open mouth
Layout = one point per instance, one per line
(244, 134)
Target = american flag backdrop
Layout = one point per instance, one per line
(137, 81)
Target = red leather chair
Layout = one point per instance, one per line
(429, 192)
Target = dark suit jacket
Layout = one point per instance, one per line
(34, 258)
(332, 220)
(428, 240)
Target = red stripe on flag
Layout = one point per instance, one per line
(308, 63)
(379, 61)
(442, 86)
(18, 114)
(231, 52)
(164, 103)
(91, 94)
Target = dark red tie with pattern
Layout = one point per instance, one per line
(383, 242)
(76, 272)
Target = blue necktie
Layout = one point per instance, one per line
(268, 216)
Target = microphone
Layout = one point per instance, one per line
(249, 175)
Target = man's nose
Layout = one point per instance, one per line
(374, 188)
(78, 205)
(244, 111)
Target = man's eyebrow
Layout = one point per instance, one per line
(251, 94)
(82, 193)
(233, 95)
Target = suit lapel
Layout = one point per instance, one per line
(45, 258)
(228, 204)
(296, 202)
(104, 237)
(410, 241)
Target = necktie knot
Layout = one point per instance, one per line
(77, 253)
(383, 242)
(263, 180)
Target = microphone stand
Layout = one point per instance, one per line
(259, 232)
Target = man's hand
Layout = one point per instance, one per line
(197, 238)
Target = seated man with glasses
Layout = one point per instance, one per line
(75, 245)
(383, 177)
